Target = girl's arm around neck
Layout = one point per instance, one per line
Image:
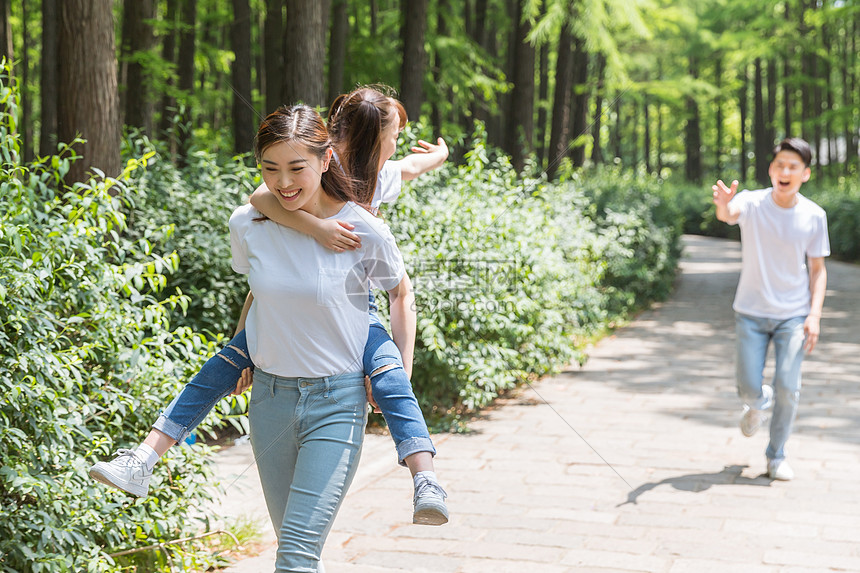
(329, 233)
(401, 304)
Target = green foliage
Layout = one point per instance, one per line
(87, 358)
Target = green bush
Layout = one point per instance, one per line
(87, 357)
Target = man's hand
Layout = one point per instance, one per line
(723, 194)
(335, 235)
(244, 382)
(811, 328)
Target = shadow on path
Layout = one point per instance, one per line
(730, 475)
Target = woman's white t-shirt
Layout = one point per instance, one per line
(309, 317)
(775, 243)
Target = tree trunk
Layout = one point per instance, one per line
(596, 149)
(519, 132)
(479, 37)
(806, 91)
(273, 44)
(49, 79)
(615, 135)
(579, 103)
(543, 103)
(442, 8)
(138, 104)
(646, 143)
(338, 41)
(187, 41)
(742, 108)
(88, 79)
(243, 110)
(789, 54)
(770, 125)
(26, 101)
(374, 18)
(168, 53)
(718, 120)
(413, 26)
(6, 44)
(759, 127)
(560, 118)
(304, 56)
(693, 164)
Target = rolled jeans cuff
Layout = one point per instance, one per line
(412, 446)
(171, 429)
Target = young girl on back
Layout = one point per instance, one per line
(364, 126)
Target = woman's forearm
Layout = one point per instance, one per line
(267, 204)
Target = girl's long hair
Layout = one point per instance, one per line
(356, 122)
(302, 125)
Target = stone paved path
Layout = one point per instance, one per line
(632, 463)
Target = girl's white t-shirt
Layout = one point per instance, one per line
(388, 184)
(775, 243)
(309, 317)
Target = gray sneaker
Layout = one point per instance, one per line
(126, 472)
(429, 503)
(752, 420)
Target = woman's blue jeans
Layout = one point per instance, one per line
(306, 434)
(754, 334)
(391, 390)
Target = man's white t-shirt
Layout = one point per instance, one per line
(388, 185)
(309, 317)
(775, 244)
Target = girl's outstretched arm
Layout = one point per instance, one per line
(330, 233)
(401, 305)
(425, 158)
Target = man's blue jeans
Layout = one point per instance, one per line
(391, 389)
(754, 334)
(307, 435)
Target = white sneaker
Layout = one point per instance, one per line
(126, 472)
(779, 469)
(429, 502)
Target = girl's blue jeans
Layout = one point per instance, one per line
(391, 390)
(307, 435)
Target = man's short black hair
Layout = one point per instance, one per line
(797, 145)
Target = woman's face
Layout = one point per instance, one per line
(292, 173)
(389, 136)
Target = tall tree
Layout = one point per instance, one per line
(6, 44)
(597, 148)
(519, 130)
(26, 100)
(167, 107)
(88, 79)
(559, 137)
(413, 26)
(579, 103)
(305, 53)
(759, 126)
(48, 82)
(273, 44)
(185, 70)
(338, 40)
(743, 107)
(443, 8)
(692, 132)
(138, 101)
(243, 108)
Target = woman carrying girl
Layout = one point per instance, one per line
(356, 118)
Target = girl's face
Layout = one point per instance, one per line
(292, 173)
(389, 136)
